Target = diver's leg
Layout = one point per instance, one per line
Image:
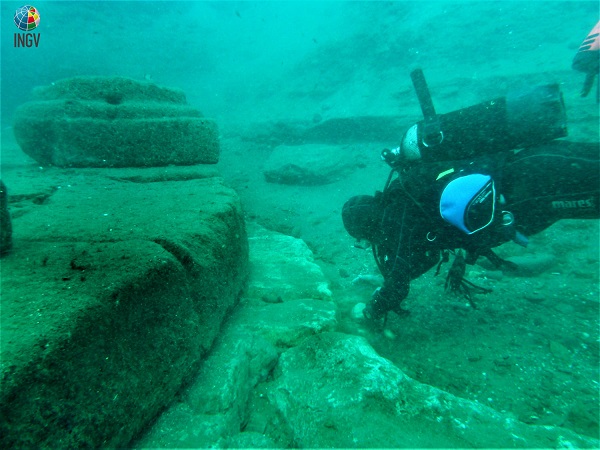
(559, 180)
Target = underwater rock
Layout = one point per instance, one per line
(335, 391)
(357, 312)
(357, 129)
(114, 294)
(5, 223)
(249, 439)
(284, 267)
(310, 165)
(113, 122)
(531, 264)
(287, 324)
(224, 398)
(214, 406)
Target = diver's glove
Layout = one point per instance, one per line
(380, 305)
(456, 274)
(377, 307)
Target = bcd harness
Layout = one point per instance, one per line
(430, 179)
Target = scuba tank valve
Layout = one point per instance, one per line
(520, 119)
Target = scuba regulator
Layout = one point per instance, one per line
(520, 119)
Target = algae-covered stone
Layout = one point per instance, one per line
(357, 129)
(116, 288)
(114, 122)
(311, 164)
(284, 267)
(223, 400)
(286, 324)
(335, 391)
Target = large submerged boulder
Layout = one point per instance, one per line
(334, 391)
(223, 399)
(280, 376)
(114, 122)
(283, 268)
(115, 289)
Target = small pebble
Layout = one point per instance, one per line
(534, 297)
(357, 311)
(389, 334)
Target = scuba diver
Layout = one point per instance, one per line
(472, 180)
(587, 60)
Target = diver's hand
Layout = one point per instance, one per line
(380, 305)
(377, 308)
(456, 273)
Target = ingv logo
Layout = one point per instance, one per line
(27, 18)
(560, 204)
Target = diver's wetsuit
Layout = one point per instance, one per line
(539, 186)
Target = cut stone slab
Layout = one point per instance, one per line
(357, 129)
(286, 324)
(334, 131)
(215, 406)
(113, 293)
(221, 401)
(311, 164)
(283, 268)
(104, 345)
(113, 122)
(334, 391)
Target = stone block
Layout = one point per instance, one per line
(335, 391)
(286, 324)
(215, 405)
(283, 268)
(357, 129)
(222, 400)
(311, 164)
(113, 122)
(116, 288)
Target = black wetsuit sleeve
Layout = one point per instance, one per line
(404, 254)
(396, 274)
(391, 256)
(396, 286)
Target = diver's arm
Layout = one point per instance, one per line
(392, 257)
(395, 288)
